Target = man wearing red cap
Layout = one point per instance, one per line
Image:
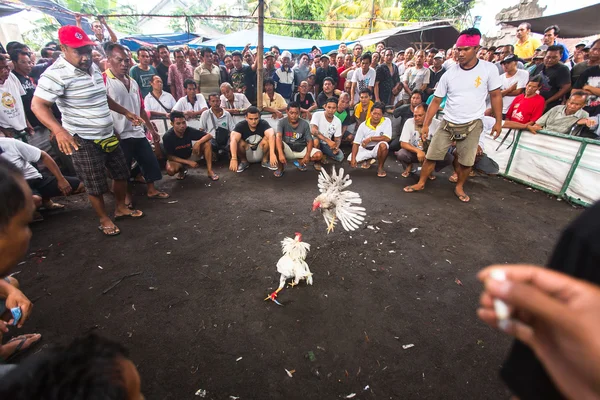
(465, 87)
(75, 84)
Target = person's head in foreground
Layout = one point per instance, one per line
(576, 102)
(467, 46)
(377, 113)
(293, 112)
(419, 114)
(76, 46)
(179, 123)
(553, 55)
(253, 117)
(16, 212)
(90, 368)
(330, 107)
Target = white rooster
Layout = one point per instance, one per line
(336, 203)
(292, 265)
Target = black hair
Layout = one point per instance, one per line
(86, 369)
(420, 93)
(424, 105)
(302, 55)
(213, 94)
(332, 99)
(205, 50)
(12, 197)
(268, 81)
(179, 50)
(536, 79)
(293, 104)
(143, 48)
(555, 47)
(527, 25)
(226, 55)
(433, 50)
(15, 53)
(110, 47)
(50, 44)
(237, 53)
(556, 29)
(275, 47)
(493, 49)
(579, 93)
(252, 110)
(13, 45)
(379, 105)
(44, 52)
(470, 32)
(176, 114)
(3, 57)
(219, 45)
(382, 42)
(162, 46)
(329, 79)
(154, 76)
(510, 47)
(365, 90)
(367, 56)
(189, 82)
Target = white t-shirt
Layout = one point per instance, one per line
(184, 105)
(363, 81)
(415, 78)
(12, 112)
(466, 91)
(520, 78)
(150, 103)
(383, 129)
(129, 99)
(328, 129)
(240, 102)
(449, 63)
(411, 136)
(21, 155)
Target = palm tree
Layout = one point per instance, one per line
(362, 17)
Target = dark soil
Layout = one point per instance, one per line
(195, 317)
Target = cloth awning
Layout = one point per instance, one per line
(441, 34)
(9, 9)
(172, 40)
(573, 24)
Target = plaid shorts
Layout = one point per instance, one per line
(91, 165)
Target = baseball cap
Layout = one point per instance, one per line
(74, 36)
(324, 56)
(509, 58)
(581, 43)
(541, 54)
(438, 55)
(542, 48)
(401, 51)
(286, 54)
(269, 54)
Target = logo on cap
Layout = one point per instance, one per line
(78, 35)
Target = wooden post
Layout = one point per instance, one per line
(260, 51)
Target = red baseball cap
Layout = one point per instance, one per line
(73, 36)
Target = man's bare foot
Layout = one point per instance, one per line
(453, 178)
(414, 188)
(50, 205)
(406, 172)
(462, 196)
(17, 345)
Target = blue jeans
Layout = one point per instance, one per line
(140, 150)
(329, 153)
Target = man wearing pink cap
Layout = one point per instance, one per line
(465, 87)
(86, 132)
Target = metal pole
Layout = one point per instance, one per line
(260, 51)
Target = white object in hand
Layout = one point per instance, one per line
(502, 311)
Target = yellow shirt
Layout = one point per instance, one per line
(277, 103)
(358, 110)
(525, 50)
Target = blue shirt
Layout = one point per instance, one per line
(565, 52)
(285, 82)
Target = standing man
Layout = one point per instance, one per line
(357, 51)
(243, 77)
(98, 28)
(192, 57)
(589, 80)
(86, 133)
(550, 39)
(362, 78)
(556, 77)
(347, 65)
(435, 74)
(415, 78)
(466, 87)
(13, 122)
(526, 45)
(326, 71)
(179, 72)
(221, 51)
(387, 79)
(134, 143)
(207, 75)
(144, 71)
(371, 141)
(301, 70)
(284, 77)
(513, 81)
(163, 66)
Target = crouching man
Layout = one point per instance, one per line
(181, 154)
(371, 142)
(294, 141)
(253, 140)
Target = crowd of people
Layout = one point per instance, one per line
(83, 118)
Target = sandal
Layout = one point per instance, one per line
(453, 178)
(213, 177)
(382, 174)
(109, 230)
(432, 177)
(411, 189)
(182, 174)
(53, 206)
(406, 174)
(159, 196)
(318, 166)
(462, 197)
(20, 349)
(301, 167)
(365, 165)
(134, 214)
(278, 173)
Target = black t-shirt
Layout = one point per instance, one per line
(552, 79)
(181, 146)
(322, 99)
(243, 128)
(29, 87)
(590, 76)
(163, 72)
(330, 72)
(403, 112)
(308, 101)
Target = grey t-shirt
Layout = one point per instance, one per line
(298, 137)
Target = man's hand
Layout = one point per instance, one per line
(154, 134)
(16, 298)
(353, 162)
(497, 129)
(421, 156)
(534, 128)
(78, 17)
(102, 20)
(282, 159)
(233, 164)
(188, 114)
(277, 114)
(424, 133)
(479, 150)
(66, 142)
(273, 160)
(193, 164)
(64, 186)
(306, 159)
(196, 148)
(366, 142)
(135, 119)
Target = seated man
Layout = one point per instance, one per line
(327, 132)
(253, 140)
(218, 123)
(414, 147)
(273, 102)
(22, 155)
(328, 91)
(362, 110)
(305, 99)
(371, 142)
(193, 104)
(526, 108)
(294, 141)
(233, 103)
(561, 119)
(181, 154)
(158, 103)
(346, 116)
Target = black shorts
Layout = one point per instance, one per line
(47, 186)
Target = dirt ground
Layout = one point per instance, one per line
(194, 318)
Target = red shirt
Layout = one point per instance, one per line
(525, 110)
(341, 81)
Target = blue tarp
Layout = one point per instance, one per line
(237, 40)
(172, 40)
(63, 15)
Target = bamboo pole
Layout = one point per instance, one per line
(260, 51)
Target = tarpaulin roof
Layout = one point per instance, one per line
(237, 40)
(441, 34)
(573, 24)
(9, 9)
(134, 42)
(63, 15)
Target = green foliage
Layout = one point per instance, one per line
(299, 10)
(45, 31)
(420, 10)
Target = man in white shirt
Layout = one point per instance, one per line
(13, 122)
(326, 130)
(466, 87)
(371, 141)
(158, 102)
(193, 104)
(233, 103)
(125, 91)
(513, 81)
(218, 123)
(362, 78)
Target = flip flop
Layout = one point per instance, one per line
(158, 196)
(365, 165)
(54, 206)
(134, 214)
(214, 177)
(181, 176)
(105, 230)
(301, 167)
(462, 197)
(410, 189)
(406, 174)
(382, 174)
(22, 340)
(432, 177)
(278, 174)
(453, 178)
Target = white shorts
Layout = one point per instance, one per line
(254, 156)
(293, 155)
(367, 154)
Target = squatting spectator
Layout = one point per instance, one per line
(253, 141)
(371, 141)
(328, 91)
(326, 129)
(402, 114)
(305, 100)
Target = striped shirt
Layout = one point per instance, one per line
(80, 97)
(130, 99)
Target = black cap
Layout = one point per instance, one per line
(509, 58)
